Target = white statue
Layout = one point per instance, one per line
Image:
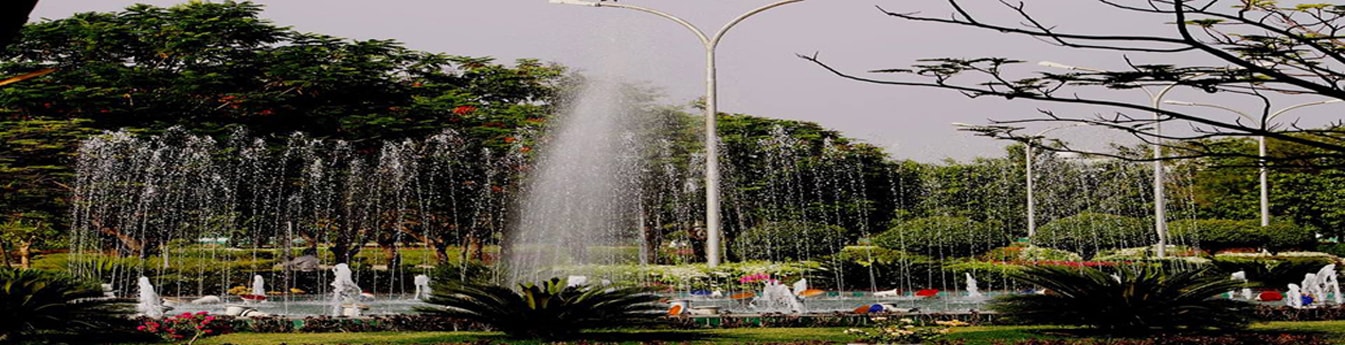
(1246, 292)
(1330, 284)
(800, 286)
(422, 286)
(972, 290)
(150, 305)
(344, 292)
(1312, 287)
(1294, 297)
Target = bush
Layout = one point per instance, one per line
(887, 267)
(549, 310)
(42, 306)
(1132, 300)
(1087, 233)
(1221, 234)
(943, 237)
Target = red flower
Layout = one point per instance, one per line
(266, 112)
(462, 110)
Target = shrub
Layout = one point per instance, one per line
(789, 241)
(1136, 300)
(943, 237)
(549, 310)
(1222, 234)
(1087, 233)
(186, 326)
(40, 306)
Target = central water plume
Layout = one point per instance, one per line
(580, 203)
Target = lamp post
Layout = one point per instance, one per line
(1260, 141)
(1155, 100)
(712, 226)
(1027, 165)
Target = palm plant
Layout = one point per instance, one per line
(37, 305)
(548, 310)
(1132, 300)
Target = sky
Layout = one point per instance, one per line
(758, 70)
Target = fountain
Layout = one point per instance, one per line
(973, 292)
(776, 298)
(258, 294)
(345, 294)
(150, 305)
(422, 287)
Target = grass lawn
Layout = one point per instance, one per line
(1334, 331)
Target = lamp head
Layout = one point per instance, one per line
(574, 2)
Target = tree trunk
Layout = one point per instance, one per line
(4, 254)
(13, 14)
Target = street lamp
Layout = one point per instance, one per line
(1027, 165)
(1155, 100)
(712, 228)
(1260, 141)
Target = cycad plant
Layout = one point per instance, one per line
(43, 306)
(1131, 300)
(549, 310)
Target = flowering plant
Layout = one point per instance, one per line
(185, 326)
(755, 277)
(903, 330)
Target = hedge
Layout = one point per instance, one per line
(944, 237)
(1217, 235)
(1087, 233)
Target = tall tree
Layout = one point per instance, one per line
(1264, 48)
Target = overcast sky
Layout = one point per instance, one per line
(758, 71)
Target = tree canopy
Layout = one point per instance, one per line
(1265, 48)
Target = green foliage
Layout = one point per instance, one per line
(1272, 272)
(887, 268)
(943, 237)
(1136, 300)
(1019, 253)
(1087, 233)
(548, 310)
(1220, 234)
(789, 241)
(37, 305)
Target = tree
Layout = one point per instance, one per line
(1268, 49)
(218, 69)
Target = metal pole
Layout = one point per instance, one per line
(1265, 191)
(1031, 204)
(713, 232)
